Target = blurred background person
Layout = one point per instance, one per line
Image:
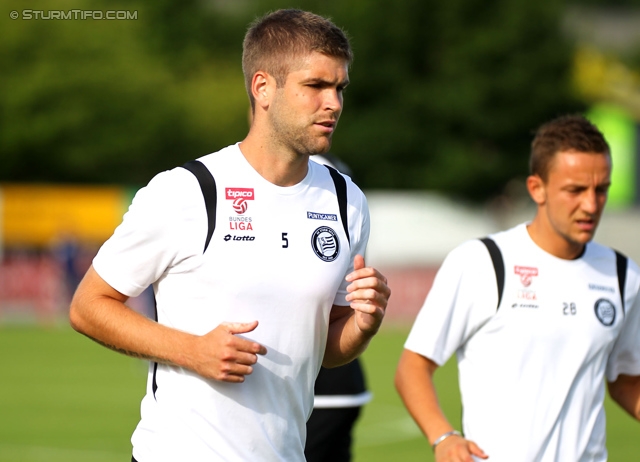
(538, 316)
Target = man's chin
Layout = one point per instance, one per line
(584, 237)
(320, 149)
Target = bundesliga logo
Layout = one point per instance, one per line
(240, 206)
(239, 196)
(526, 274)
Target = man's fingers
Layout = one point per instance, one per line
(235, 376)
(249, 346)
(366, 308)
(369, 290)
(476, 451)
(359, 269)
(242, 344)
(372, 299)
(236, 368)
(237, 361)
(246, 359)
(224, 353)
(368, 283)
(240, 327)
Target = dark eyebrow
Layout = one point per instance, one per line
(327, 83)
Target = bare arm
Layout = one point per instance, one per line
(98, 311)
(626, 392)
(414, 382)
(352, 327)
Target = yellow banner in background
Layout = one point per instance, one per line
(41, 215)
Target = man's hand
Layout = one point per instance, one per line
(352, 327)
(368, 295)
(223, 355)
(457, 449)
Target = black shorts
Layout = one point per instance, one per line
(329, 434)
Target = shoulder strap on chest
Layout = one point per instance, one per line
(621, 267)
(208, 187)
(498, 265)
(341, 191)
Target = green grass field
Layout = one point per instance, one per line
(65, 398)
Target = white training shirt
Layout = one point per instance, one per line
(532, 373)
(278, 255)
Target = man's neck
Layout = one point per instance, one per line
(274, 163)
(543, 235)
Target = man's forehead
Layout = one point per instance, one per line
(573, 162)
(574, 157)
(314, 59)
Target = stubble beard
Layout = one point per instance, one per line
(574, 238)
(579, 239)
(299, 139)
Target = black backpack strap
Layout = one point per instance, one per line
(341, 191)
(208, 187)
(498, 264)
(621, 267)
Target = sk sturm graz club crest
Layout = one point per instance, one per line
(605, 311)
(325, 243)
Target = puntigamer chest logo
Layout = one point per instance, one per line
(526, 274)
(239, 196)
(325, 243)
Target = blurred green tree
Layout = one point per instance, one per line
(444, 95)
(100, 101)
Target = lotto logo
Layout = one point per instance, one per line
(240, 205)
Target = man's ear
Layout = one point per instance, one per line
(262, 86)
(537, 189)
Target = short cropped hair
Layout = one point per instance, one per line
(566, 133)
(273, 41)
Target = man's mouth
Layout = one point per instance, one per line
(327, 125)
(586, 224)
